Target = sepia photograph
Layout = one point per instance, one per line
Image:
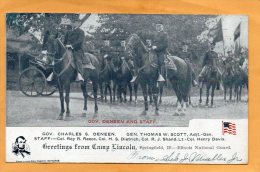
(125, 70)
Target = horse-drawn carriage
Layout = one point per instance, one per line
(34, 67)
(33, 80)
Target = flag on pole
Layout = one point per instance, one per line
(216, 32)
(237, 32)
(237, 40)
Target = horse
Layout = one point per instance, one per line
(65, 73)
(241, 79)
(228, 78)
(123, 78)
(107, 75)
(145, 61)
(211, 80)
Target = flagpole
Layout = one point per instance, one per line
(239, 47)
(223, 38)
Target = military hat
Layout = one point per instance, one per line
(65, 21)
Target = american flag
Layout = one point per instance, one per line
(228, 127)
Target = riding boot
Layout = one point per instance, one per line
(160, 77)
(134, 77)
(50, 77)
(89, 66)
(194, 83)
(79, 78)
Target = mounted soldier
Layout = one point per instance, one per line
(209, 62)
(160, 45)
(121, 50)
(107, 52)
(186, 55)
(74, 40)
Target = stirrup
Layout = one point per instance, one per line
(133, 79)
(79, 77)
(89, 66)
(195, 83)
(50, 77)
(160, 78)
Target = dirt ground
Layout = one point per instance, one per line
(43, 111)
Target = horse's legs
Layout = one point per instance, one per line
(200, 95)
(105, 93)
(130, 91)
(179, 97)
(236, 92)
(101, 90)
(212, 93)
(207, 94)
(67, 98)
(114, 91)
(161, 91)
(95, 88)
(119, 93)
(230, 92)
(135, 90)
(225, 92)
(144, 89)
(150, 94)
(61, 101)
(155, 91)
(124, 91)
(84, 91)
(110, 92)
(240, 92)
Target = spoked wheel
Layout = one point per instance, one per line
(91, 93)
(49, 90)
(32, 82)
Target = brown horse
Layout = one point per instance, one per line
(145, 61)
(65, 73)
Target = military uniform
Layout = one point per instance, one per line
(121, 54)
(161, 42)
(107, 52)
(209, 61)
(187, 56)
(76, 38)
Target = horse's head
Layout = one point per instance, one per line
(134, 47)
(59, 48)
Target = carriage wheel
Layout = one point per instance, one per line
(32, 82)
(49, 90)
(90, 92)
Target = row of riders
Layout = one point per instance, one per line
(145, 64)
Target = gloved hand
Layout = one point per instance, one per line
(154, 47)
(69, 46)
(44, 52)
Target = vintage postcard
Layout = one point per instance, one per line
(126, 88)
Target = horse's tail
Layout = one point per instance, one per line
(188, 80)
(189, 74)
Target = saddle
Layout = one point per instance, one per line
(169, 63)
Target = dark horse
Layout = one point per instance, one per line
(106, 77)
(123, 77)
(228, 78)
(211, 80)
(65, 73)
(241, 79)
(145, 61)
